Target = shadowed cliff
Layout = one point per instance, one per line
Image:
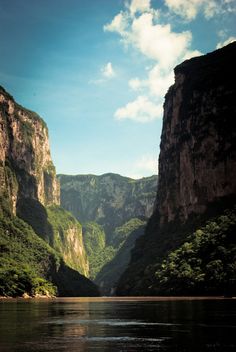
(197, 167)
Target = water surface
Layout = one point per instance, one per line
(118, 324)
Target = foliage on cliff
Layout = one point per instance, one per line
(66, 238)
(110, 273)
(101, 255)
(205, 264)
(98, 253)
(29, 265)
(24, 259)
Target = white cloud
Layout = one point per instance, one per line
(135, 84)
(147, 163)
(158, 42)
(140, 28)
(189, 9)
(159, 82)
(108, 71)
(226, 42)
(141, 110)
(139, 6)
(118, 24)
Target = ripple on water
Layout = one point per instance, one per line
(110, 322)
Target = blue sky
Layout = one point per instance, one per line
(97, 71)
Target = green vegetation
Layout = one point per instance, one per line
(58, 228)
(98, 253)
(66, 238)
(24, 260)
(16, 283)
(110, 273)
(101, 254)
(204, 264)
(28, 265)
(121, 233)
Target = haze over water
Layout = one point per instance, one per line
(118, 324)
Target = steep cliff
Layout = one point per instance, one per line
(26, 168)
(66, 238)
(109, 200)
(197, 162)
(30, 190)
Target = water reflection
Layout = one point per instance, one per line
(128, 324)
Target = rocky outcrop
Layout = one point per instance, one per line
(197, 162)
(26, 168)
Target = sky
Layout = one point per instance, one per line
(97, 72)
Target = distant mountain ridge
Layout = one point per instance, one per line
(109, 199)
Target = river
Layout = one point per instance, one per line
(118, 324)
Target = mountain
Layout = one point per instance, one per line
(110, 207)
(30, 190)
(109, 200)
(197, 168)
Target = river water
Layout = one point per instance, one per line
(118, 324)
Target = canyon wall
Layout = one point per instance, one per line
(30, 190)
(197, 162)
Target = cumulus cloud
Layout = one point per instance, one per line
(189, 9)
(139, 6)
(140, 28)
(226, 42)
(158, 42)
(118, 24)
(108, 71)
(141, 110)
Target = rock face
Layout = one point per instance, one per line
(109, 200)
(197, 162)
(66, 237)
(29, 187)
(26, 168)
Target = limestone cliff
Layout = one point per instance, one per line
(26, 168)
(30, 190)
(109, 200)
(197, 162)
